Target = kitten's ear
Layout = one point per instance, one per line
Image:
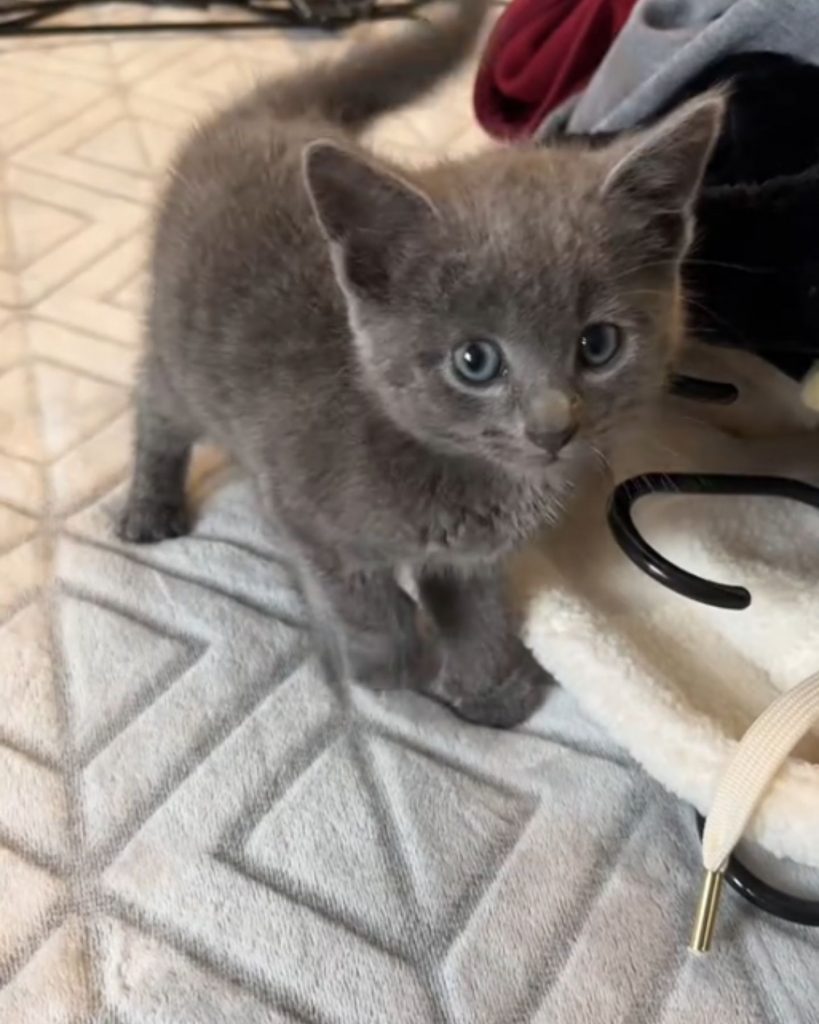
(662, 168)
(364, 210)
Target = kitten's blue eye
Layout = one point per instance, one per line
(599, 344)
(478, 363)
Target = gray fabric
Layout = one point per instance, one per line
(666, 42)
(246, 844)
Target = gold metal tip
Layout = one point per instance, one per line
(706, 912)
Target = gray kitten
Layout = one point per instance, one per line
(413, 365)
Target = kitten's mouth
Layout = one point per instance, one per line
(554, 467)
(534, 461)
(549, 457)
(539, 458)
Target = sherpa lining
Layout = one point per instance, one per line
(673, 681)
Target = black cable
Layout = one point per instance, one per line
(798, 909)
(655, 565)
(712, 391)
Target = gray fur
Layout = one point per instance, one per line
(305, 301)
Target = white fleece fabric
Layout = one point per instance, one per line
(674, 681)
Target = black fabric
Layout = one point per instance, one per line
(768, 130)
(752, 275)
(753, 272)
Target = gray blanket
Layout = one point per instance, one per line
(194, 827)
(666, 42)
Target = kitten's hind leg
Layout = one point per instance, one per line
(489, 676)
(155, 508)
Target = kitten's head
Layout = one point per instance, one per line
(520, 306)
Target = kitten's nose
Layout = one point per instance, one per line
(552, 420)
(552, 440)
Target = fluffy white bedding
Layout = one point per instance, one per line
(677, 682)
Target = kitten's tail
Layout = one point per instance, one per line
(376, 77)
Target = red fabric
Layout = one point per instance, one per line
(540, 53)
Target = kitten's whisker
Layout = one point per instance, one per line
(694, 262)
(631, 269)
(636, 268)
(690, 300)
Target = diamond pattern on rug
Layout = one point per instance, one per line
(329, 850)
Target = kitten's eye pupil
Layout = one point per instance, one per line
(478, 362)
(599, 344)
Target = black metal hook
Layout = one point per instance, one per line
(650, 561)
(751, 887)
(628, 536)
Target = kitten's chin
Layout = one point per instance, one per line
(575, 467)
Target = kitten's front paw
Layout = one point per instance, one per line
(404, 668)
(514, 700)
(147, 522)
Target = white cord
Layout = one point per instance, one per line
(760, 754)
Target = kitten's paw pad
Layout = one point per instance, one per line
(511, 704)
(147, 522)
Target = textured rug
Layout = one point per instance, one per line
(194, 828)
